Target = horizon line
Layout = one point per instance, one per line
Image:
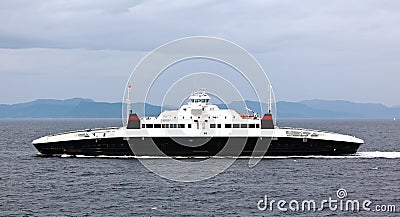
(299, 101)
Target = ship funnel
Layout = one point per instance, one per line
(133, 121)
(267, 122)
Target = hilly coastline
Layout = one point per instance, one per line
(87, 108)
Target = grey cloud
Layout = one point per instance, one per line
(345, 49)
(141, 25)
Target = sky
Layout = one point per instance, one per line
(309, 49)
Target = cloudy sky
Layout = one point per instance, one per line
(309, 49)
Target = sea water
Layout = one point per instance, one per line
(31, 185)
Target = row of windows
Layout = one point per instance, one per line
(236, 125)
(190, 126)
(191, 117)
(199, 100)
(165, 126)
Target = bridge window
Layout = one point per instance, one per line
(236, 125)
(157, 125)
(149, 125)
(252, 126)
(228, 125)
(243, 126)
(165, 125)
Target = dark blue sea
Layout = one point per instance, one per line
(84, 186)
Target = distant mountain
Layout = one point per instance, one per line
(71, 108)
(351, 109)
(299, 110)
(86, 108)
(320, 109)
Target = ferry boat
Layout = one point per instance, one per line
(198, 128)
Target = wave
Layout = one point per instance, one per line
(379, 154)
(373, 154)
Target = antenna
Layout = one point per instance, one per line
(128, 101)
(270, 100)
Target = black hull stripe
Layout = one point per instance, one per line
(120, 147)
